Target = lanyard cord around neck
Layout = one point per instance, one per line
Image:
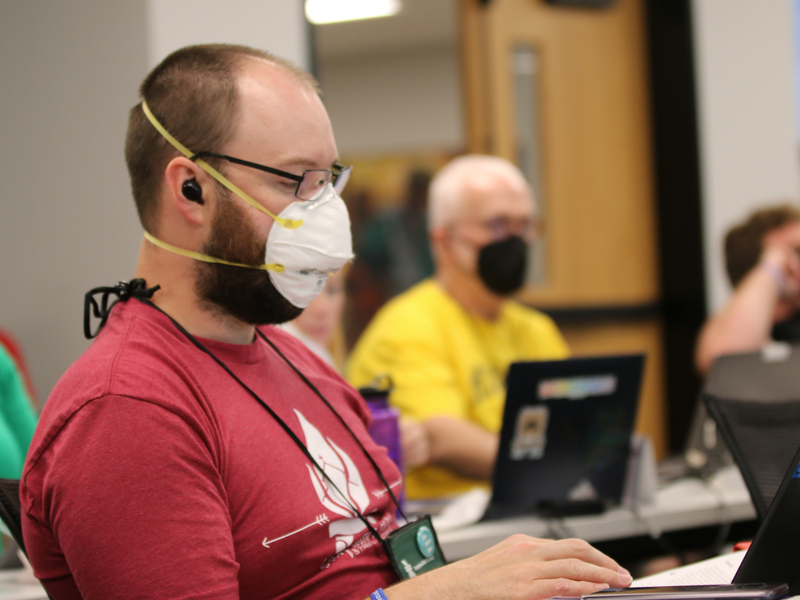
(286, 427)
(338, 416)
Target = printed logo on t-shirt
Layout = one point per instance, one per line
(349, 495)
(485, 384)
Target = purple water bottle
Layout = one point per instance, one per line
(385, 427)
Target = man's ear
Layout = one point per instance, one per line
(439, 237)
(184, 189)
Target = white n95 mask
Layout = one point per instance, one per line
(309, 253)
(308, 241)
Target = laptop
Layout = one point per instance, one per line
(566, 436)
(766, 374)
(774, 555)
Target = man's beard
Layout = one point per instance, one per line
(244, 294)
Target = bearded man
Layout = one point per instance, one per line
(194, 450)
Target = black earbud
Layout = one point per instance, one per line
(192, 191)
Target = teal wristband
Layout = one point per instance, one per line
(377, 595)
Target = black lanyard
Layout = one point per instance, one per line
(286, 427)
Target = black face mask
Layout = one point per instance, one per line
(502, 265)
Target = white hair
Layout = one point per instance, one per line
(446, 190)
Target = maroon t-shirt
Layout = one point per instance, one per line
(153, 474)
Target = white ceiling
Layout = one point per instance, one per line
(419, 23)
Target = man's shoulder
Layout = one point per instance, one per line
(416, 313)
(135, 362)
(422, 299)
(537, 328)
(516, 311)
(133, 357)
(409, 318)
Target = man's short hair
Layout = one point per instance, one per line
(744, 242)
(448, 184)
(194, 93)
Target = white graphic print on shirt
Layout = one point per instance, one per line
(344, 474)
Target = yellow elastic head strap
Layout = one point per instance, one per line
(209, 259)
(287, 223)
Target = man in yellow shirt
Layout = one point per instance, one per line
(447, 343)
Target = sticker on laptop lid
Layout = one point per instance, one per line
(530, 433)
(577, 388)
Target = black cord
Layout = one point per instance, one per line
(338, 416)
(136, 288)
(124, 290)
(285, 427)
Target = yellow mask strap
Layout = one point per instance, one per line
(287, 223)
(209, 259)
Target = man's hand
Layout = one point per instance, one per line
(519, 568)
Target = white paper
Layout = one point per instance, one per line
(719, 569)
(465, 509)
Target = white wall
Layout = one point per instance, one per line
(70, 73)
(278, 26)
(69, 76)
(401, 101)
(748, 121)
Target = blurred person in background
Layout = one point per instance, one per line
(447, 343)
(319, 327)
(763, 267)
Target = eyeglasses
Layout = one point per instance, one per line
(502, 227)
(499, 228)
(309, 185)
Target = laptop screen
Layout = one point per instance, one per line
(566, 434)
(774, 555)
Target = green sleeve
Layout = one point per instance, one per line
(17, 418)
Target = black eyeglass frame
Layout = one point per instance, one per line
(342, 173)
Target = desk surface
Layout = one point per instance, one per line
(19, 584)
(685, 504)
(680, 505)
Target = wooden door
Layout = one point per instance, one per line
(562, 91)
